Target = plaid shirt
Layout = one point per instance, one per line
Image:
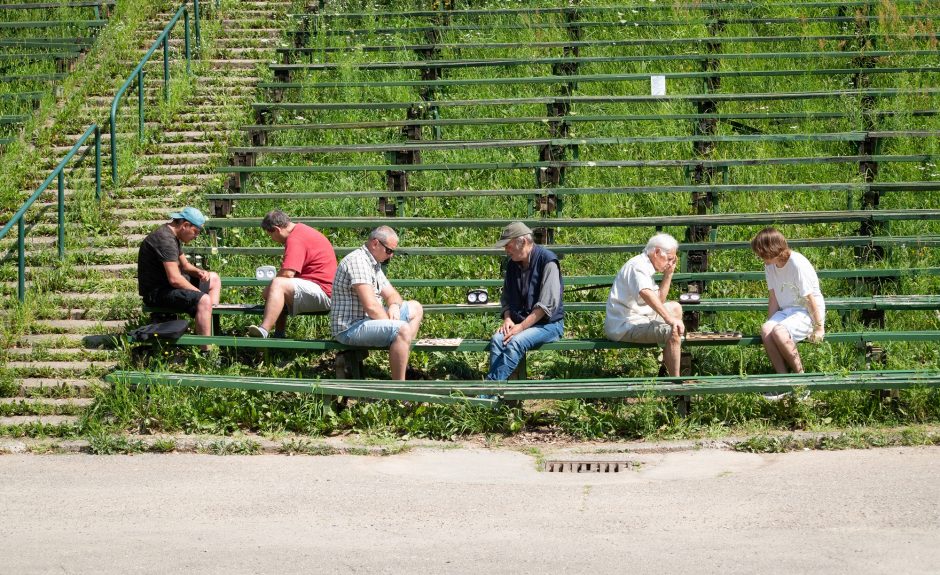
(359, 267)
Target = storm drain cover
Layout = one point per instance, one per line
(586, 466)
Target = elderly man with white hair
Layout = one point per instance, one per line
(637, 310)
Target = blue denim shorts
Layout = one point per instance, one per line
(374, 332)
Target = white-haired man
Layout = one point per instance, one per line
(637, 310)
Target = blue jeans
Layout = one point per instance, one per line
(505, 357)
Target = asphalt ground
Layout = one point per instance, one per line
(472, 511)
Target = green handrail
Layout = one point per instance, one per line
(58, 173)
(138, 73)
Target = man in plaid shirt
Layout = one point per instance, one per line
(358, 317)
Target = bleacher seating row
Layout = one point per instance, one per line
(818, 117)
(39, 42)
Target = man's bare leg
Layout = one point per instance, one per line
(672, 351)
(400, 349)
(276, 295)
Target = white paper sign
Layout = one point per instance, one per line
(658, 85)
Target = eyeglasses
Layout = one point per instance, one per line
(388, 251)
(197, 229)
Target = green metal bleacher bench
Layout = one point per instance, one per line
(780, 218)
(612, 24)
(862, 242)
(450, 392)
(690, 43)
(598, 99)
(479, 13)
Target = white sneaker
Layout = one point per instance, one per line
(777, 396)
(255, 331)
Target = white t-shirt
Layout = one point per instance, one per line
(794, 282)
(625, 307)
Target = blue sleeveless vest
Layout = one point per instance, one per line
(519, 309)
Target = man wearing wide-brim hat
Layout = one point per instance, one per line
(166, 279)
(532, 308)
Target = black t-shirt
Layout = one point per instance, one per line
(158, 247)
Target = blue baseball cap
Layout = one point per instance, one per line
(191, 215)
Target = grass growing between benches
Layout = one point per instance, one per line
(170, 410)
(166, 409)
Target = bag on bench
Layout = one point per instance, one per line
(166, 330)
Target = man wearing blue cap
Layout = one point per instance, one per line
(166, 279)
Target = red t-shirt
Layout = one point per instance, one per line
(311, 255)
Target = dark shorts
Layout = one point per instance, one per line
(183, 300)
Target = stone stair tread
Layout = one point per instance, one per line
(31, 383)
(77, 401)
(44, 419)
(71, 365)
(73, 324)
(21, 351)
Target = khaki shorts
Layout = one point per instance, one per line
(309, 297)
(656, 331)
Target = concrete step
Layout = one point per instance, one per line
(58, 385)
(82, 325)
(39, 419)
(50, 401)
(47, 353)
(173, 179)
(185, 159)
(75, 368)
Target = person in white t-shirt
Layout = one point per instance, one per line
(795, 306)
(637, 310)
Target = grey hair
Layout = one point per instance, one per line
(383, 234)
(523, 240)
(274, 219)
(662, 242)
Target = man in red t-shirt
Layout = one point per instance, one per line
(304, 283)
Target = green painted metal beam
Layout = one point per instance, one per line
(444, 64)
(39, 56)
(46, 5)
(580, 119)
(53, 24)
(315, 387)
(592, 78)
(808, 160)
(602, 99)
(813, 40)
(887, 303)
(630, 24)
(653, 221)
(481, 345)
(33, 78)
(463, 391)
(575, 9)
(860, 187)
(495, 144)
(606, 280)
(925, 241)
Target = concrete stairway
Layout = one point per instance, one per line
(54, 358)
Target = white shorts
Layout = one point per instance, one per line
(796, 320)
(309, 297)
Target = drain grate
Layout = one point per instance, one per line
(586, 466)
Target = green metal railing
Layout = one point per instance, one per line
(59, 174)
(162, 40)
